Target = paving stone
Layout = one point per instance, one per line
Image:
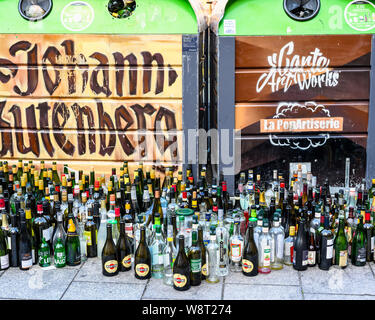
(285, 276)
(319, 296)
(261, 292)
(104, 291)
(92, 271)
(352, 280)
(156, 289)
(36, 283)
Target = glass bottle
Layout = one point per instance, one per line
(90, 234)
(236, 248)
(109, 255)
(142, 258)
(44, 254)
(72, 245)
(264, 251)
(25, 245)
(59, 252)
(181, 268)
(204, 253)
(13, 236)
(301, 248)
(312, 250)
(369, 232)
(157, 259)
(4, 254)
(340, 245)
(277, 244)
(102, 233)
(169, 256)
(60, 232)
(222, 240)
(124, 250)
(359, 245)
(250, 255)
(326, 246)
(195, 258)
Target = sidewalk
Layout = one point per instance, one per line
(86, 282)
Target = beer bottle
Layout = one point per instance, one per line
(109, 255)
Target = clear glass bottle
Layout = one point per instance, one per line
(102, 232)
(258, 228)
(277, 244)
(236, 248)
(157, 259)
(213, 257)
(169, 255)
(222, 240)
(264, 251)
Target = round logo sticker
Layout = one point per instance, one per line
(179, 280)
(247, 266)
(360, 15)
(127, 261)
(142, 269)
(111, 266)
(77, 16)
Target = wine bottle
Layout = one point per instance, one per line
(204, 253)
(358, 255)
(195, 258)
(72, 245)
(250, 255)
(142, 258)
(340, 245)
(369, 232)
(90, 234)
(326, 246)
(13, 236)
(301, 249)
(4, 254)
(124, 250)
(109, 255)
(25, 245)
(181, 268)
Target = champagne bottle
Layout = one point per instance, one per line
(109, 255)
(72, 245)
(195, 258)
(124, 250)
(250, 255)
(181, 268)
(25, 245)
(142, 259)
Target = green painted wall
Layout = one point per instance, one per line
(150, 17)
(267, 17)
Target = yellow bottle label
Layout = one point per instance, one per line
(343, 258)
(205, 270)
(28, 214)
(127, 261)
(71, 226)
(142, 269)
(179, 280)
(87, 235)
(292, 231)
(111, 266)
(247, 266)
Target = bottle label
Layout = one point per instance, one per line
(236, 250)
(60, 259)
(361, 257)
(311, 257)
(247, 266)
(267, 256)
(157, 259)
(4, 262)
(129, 230)
(329, 254)
(87, 236)
(205, 270)
(111, 266)
(9, 243)
(372, 244)
(305, 257)
(27, 263)
(179, 280)
(46, 234)
(196, 265)
(343, 262)
(33, 255)
(142, 269)
(127, 261)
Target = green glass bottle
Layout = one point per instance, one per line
(181, 268)
(72, 245)
(60, 254)
(109, 255)
(195, 258)
(341, 246)
(55, 176)
(44, 254)
(359, 245)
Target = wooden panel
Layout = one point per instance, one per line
(249, 117)
(79, 114)
(303, 51)
(110, 82)
(83, 49)
(337, 84)
(326, 153)
(91, 145)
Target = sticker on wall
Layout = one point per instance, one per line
(313, 118)
(360, 15)
(230, 26)
(77, 16)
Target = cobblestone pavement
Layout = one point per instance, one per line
(85, 282)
